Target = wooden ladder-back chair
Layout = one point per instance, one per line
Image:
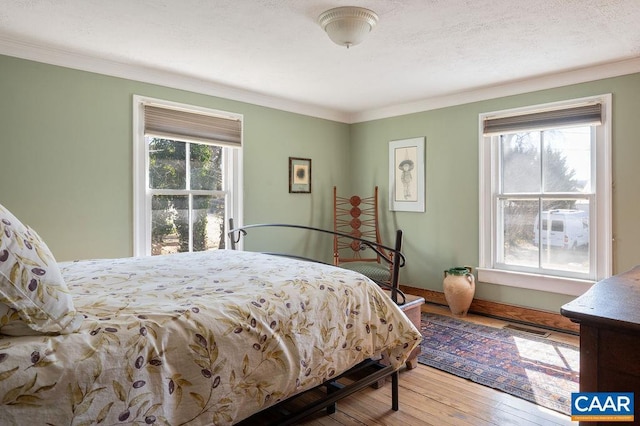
(358, 217)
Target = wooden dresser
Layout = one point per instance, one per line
(609, 318)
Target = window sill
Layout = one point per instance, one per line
(568, 286)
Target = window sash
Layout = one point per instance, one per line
(500, 263)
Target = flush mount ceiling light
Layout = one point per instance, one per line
(348, 25)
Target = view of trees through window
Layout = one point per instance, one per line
(188, 201)
(544, 198)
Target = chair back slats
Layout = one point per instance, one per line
(357, 216)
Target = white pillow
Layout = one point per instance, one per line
(31, 283)
(12, 325)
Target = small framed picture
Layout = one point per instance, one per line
(406, 175)
(299, 175)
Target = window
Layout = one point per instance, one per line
(186, 176)
(545, 196)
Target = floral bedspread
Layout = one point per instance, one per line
(196, 339)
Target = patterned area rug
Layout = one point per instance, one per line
(527, 366)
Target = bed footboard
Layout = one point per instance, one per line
(376, 371)
(395, 257)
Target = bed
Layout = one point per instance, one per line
(183, 339)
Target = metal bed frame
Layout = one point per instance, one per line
(335, 390)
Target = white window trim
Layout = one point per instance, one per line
(141, 195)
(603, 252)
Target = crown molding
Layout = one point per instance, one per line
(64, 58)
(83, 62)
(582, 75)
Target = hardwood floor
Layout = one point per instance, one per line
(432, 397)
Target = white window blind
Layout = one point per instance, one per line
(191, 127)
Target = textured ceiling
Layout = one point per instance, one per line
(420, 49)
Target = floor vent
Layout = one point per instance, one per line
(539, 333)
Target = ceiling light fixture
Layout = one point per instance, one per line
(348, 25)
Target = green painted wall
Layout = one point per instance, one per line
(66, 158)
(447, 233)
(66, 169)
